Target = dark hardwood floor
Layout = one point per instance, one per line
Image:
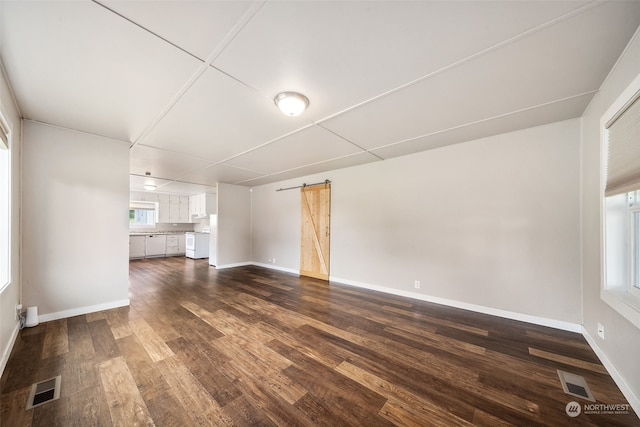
(250, 346)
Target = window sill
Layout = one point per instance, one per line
(627, 305)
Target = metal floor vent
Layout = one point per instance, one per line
(43, 392)
(575, 385)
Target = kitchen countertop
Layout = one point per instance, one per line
(145, 233)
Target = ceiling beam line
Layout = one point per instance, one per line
(204, 66)
(148, 30)
(469, 58)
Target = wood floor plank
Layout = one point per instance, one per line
(251, 346)
(197, 402)
(56, 339)
(150, 340)
(247, 367)
(595, 367)
(402, 405)
(103, 341)
(12, 408)
(126, 405)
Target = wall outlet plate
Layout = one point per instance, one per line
(601, 330)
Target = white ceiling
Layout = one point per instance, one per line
(190, 84)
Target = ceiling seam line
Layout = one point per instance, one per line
(39, 122)
(304, 166)
(170, 180)
(220, 162)
(147, 30)
(469, 58)
(347, 140)
(237, 28)
(522, 110)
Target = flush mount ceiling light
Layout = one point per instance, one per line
(149, 185)
(291, 103)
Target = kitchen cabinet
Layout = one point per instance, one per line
(183, 208)
(175, 244)
(202, 205)
(164, 201)
(136, 247)
(140, 196)
(155, 245)
(181, 244)
(173, 208)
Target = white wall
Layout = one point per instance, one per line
(622, 344)
(492, 223)
(75, 215)
(234, 225)
(10, 296)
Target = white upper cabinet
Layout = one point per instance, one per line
(202, 205)
(172, 208)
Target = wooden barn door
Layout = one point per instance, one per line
(316, 231)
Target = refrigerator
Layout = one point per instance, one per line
(213, 240)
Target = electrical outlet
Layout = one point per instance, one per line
(273, 261)
(600, 330)
(18, 311)
(416, 284)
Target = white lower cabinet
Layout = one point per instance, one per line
(136, 247)
(175, 244)
(156, 245)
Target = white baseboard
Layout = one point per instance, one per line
(82, 310)
(237, 264)
(536, 320)
(634, 401)
(276, 267)
(7, 350)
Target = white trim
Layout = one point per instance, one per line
(536, 320)
(627, 391)
(237, 264)
(7, 351)
(612, 70)
(277, 267)
(82, 310)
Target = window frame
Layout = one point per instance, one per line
(634, 243)
(6, 129)
(144, 205)
(623, 298)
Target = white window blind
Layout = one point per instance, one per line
(150, 206)
(4, 136)
(623, 161)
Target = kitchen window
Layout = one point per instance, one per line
(143, 214)
(5, 204)
(620, 128)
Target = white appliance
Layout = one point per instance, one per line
(196, 245)
(213, 240)
(155, 245)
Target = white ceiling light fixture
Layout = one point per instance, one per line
(291, 103)
(150, 186)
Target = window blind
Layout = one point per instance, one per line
(150, 206)
(623, 156)
(4, 136)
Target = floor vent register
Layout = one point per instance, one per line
(575, 385)
(43, 392)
